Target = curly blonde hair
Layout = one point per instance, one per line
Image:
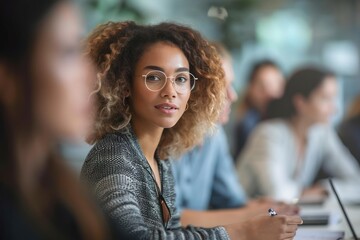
(116, 48)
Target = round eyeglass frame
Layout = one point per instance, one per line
(171, 79)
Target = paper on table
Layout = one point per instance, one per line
(310, 234)
(334, 216)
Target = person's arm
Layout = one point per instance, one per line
(265, 227)
(212, 218)
(117, 196)
(256, 207)
(265, 164)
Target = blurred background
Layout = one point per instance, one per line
(290, 32)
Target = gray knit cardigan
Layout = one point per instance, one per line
(121, 179)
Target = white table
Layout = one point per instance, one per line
(332, 206)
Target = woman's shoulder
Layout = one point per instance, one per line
(118, 144)
(274, 131)
(113, 154)
(273, 126)
(111, 139)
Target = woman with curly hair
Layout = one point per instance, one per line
(160, 90)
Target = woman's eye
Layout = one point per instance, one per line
(153, 78)
(181, 80)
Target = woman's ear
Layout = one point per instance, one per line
(127, 93)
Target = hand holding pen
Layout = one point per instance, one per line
(275, 227)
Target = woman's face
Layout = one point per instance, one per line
(62, 76)
(321, 104)
(267, 85)
(161, 108)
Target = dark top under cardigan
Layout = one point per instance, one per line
(122, 180)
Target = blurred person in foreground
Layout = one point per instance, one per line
(285, 153)
(349, 129)
(265, 83)
(208, 192)
(160, 90)
(43, 99)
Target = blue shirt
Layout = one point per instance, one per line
(205, 177)
(243, 130)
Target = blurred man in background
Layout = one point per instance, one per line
(265, 83)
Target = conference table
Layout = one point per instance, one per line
(337, 220)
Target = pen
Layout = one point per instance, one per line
(272, 212)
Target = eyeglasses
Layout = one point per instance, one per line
(183, 82)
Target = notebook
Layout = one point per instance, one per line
(309, 234)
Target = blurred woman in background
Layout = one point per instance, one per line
(44, 92)
(349, 129)
(265, 83)
(284, 154)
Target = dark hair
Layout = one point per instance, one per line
(135, 39)
(19, 20)
(257, 66)
(19, 23)
(116, 48)
(302, 82)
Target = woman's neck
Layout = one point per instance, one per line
(300, 127)
(148, 138)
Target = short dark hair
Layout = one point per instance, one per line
(257, 66)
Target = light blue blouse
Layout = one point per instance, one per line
(269, 164)
(205, 178)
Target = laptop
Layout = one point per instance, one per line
(311, 234)
(343, 210)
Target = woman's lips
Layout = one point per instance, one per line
(167, 108)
